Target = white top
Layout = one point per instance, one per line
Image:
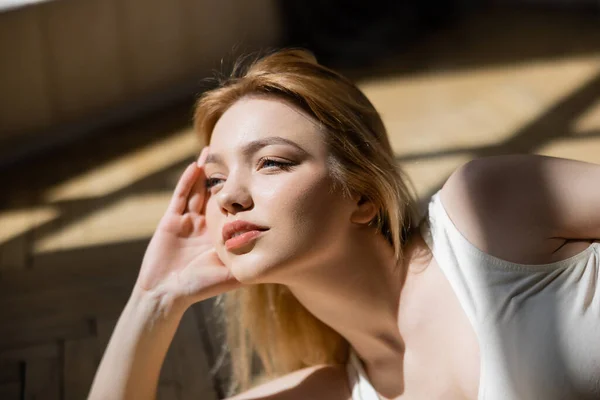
(538, 326)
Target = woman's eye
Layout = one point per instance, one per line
(270, 163)
(210, 182)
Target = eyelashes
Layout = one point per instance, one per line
(277, 163)
(265, 162)
(210, 182)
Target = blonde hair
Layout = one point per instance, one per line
(267, 319)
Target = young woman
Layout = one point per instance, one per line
(297, 211)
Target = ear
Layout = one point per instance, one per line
(364, 211)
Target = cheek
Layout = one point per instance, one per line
(307, 205)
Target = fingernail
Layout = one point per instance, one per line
(202, 157)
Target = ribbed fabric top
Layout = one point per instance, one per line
(538, 326)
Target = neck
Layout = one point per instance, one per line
(357, 294)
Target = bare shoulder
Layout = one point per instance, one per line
(494, 212)
(322, 382)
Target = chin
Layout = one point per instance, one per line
(246, 265)
(249, 272)
(256, 266)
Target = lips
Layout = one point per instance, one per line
(236, 228)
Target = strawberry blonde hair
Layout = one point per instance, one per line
(266, 319)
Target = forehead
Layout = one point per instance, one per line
(253, 118)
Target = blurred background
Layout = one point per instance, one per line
(96, 99)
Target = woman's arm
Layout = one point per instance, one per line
(180, 267)
(131, 364)
(559, 195)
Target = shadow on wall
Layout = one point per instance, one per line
(359, 36)
(358, 33)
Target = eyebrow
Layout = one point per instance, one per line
(252, 147)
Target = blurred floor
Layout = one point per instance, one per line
(74, 224)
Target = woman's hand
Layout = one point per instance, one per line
(180, 265)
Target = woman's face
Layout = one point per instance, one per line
(267, 165)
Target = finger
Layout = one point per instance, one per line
(203, 155)
(203, 205)
(198, 193)
(182, 190)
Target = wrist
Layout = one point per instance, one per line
(155, 306)
(133, 358)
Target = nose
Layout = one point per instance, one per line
(234, 196)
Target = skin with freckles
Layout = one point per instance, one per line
(268, 165)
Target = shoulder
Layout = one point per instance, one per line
(326, 382)
(493, 208)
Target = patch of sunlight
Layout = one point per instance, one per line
(16, 222)
(467, 109)
(132, 218)
(581, 149)
(429, 175)
(589, 121)
(129, 168)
